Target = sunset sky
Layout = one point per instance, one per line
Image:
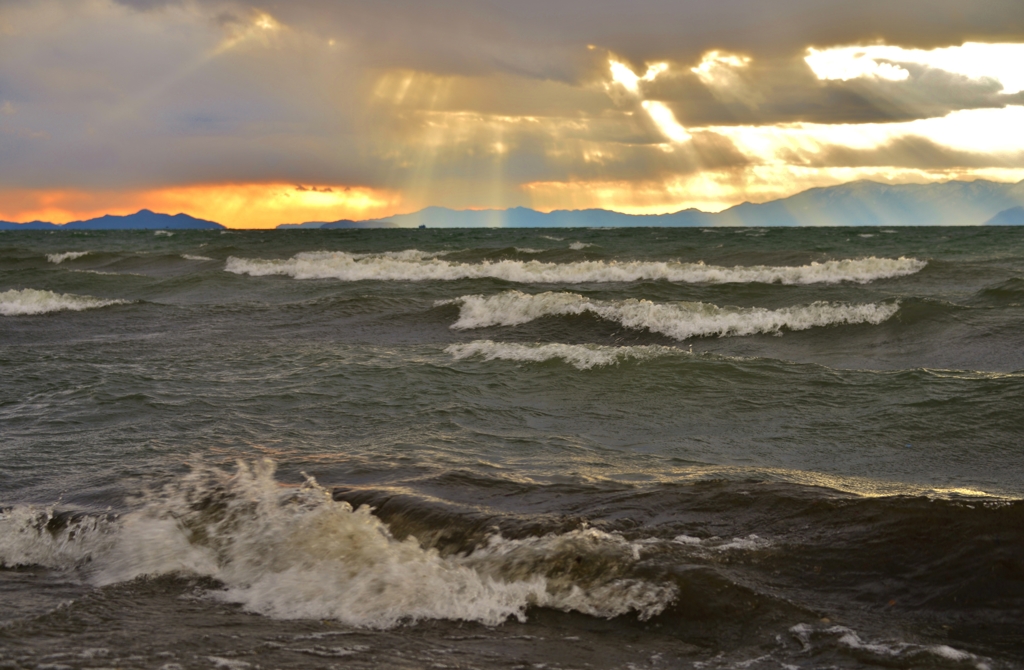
(254, 113)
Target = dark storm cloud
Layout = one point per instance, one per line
(450, 96)
(547, 38)
(786, 91)
(908, 152)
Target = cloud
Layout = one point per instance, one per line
(653, 103)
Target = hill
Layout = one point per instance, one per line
(1008, 217)
(142, 220)
(859, 203)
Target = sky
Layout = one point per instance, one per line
(257, 112)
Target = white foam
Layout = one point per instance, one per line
(528, 250)
(163, 233)
(888, 652)
(414, 265)
(748, 543)
(31, 301)
(190, 257)
(296, 553)
(66, 256)
(580, 246)
(580, 356)
(680, 320)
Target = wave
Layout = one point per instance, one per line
(1010, 291)
(580, 356)
(889, 653)
(681, 320)
(190, 257)
(66, 256)
(414, 265)
(29, 301)
(299, 554)
(580, 246)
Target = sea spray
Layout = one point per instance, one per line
(66, 256)
(296, 553)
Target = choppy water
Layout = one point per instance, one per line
(510, 448)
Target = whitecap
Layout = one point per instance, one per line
(190, 257)
(895, 653)
(580, 356)
(415, 265)
(298, 554)
(679, 320)
(29, 301)
(580, 246)
(66, 256)
(163, 233)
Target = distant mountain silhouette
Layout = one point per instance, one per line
(144, 220)
(141, 220)
(1008, 217)
(31, 225)
(867, 203)
(859, 203)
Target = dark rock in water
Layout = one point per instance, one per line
(308, 225)
(522, 217)
(1008, 217)
(347, 223)
(144, 220)
(342, 223)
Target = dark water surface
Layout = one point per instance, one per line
(728, 448)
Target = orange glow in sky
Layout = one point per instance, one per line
(233, 205)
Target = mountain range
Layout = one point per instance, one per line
(859, 203)
(141, 220)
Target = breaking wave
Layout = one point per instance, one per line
(580, 356)
(294, 553)
(66, 256)
(414, 265)
(680, 320)
(893, 653)
(29, 301)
